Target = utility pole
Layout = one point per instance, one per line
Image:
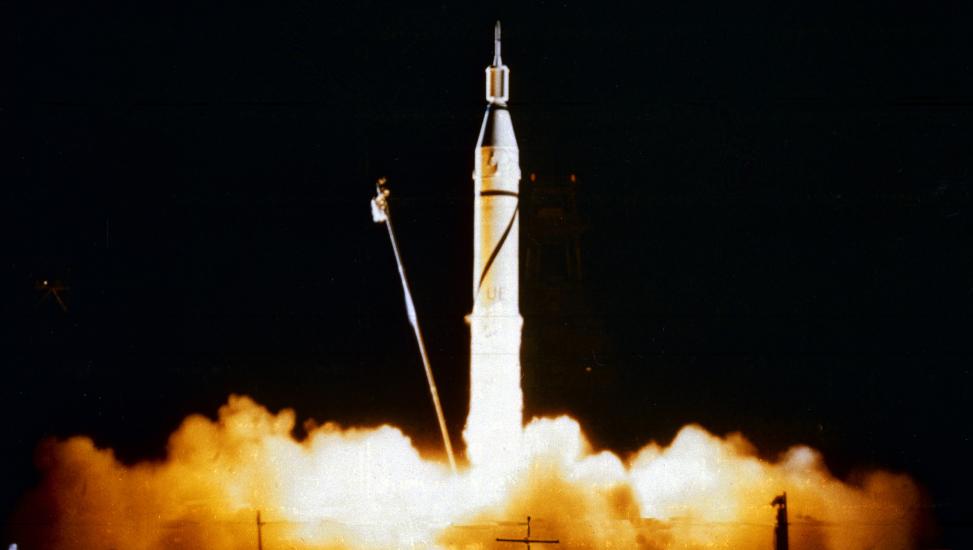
(780, 530)
(260, 538)
(527, 540)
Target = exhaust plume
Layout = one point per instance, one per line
(351, 488)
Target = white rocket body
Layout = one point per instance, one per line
(495, 421)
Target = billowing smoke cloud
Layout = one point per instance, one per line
(353, 488)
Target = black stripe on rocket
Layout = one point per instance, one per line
(506, 232)
(498, 193)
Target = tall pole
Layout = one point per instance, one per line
(380, 212)
(780, 530)
(260, 538)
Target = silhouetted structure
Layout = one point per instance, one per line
(565, 335)
(260, 535)
(528, 541)
(553, 255)
(780, 530)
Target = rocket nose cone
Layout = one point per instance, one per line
(497, 129)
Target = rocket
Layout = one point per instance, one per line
(495, 420)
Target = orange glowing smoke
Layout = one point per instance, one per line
(357, 488)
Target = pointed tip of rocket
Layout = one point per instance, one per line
(496, 45)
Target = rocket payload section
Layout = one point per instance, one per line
(495, 421)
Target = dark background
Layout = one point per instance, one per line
(776, 200)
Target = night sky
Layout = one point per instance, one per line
(776, 204)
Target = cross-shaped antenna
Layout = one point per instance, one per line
(527, 540)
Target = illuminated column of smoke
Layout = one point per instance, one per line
(493, 427)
